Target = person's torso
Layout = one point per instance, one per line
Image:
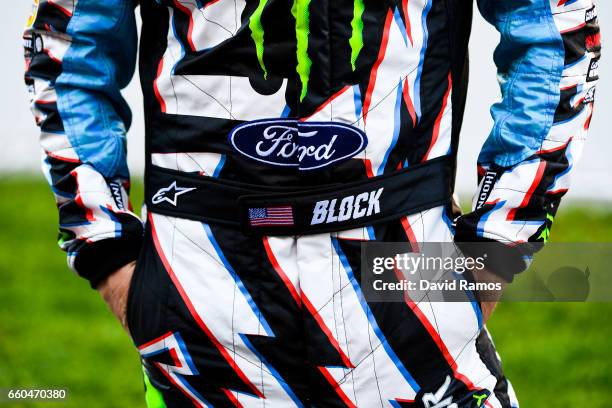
(303, 92)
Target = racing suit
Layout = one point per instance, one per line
(280, 135)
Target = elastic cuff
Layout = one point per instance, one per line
(100, 259)
(502, 260)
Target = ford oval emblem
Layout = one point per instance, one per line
(302, 145)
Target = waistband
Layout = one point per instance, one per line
(268, 210)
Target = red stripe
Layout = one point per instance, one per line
(327, 102)
(409, 233)
(565, 88)
(408, 101)
(529, 193)
(315, 314)
(302, 299)
(195, 314)
(160, 99)
(176, 385)
(555, 149)
(559, 191)
(404, 400)
(149, 343)
(368, 167)
(231, 397)
(66, 159)
(89, 215)
(408, 24)
(374, 72)
(176, 361)
(190, 29)
(438, 340)
(587, 122)
(210, 4)
(281, 272)
(65, 11)
(569, 30)
(436, 129)
(337, 388)
(50, 55)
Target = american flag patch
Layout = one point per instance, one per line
(262, 217)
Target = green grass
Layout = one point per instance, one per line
(55, 331)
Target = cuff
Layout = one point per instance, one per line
(501, 260)
(100, 259)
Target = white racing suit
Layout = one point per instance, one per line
(280, 135)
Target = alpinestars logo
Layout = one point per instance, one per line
(488, 182)
(590, 15)
(170, 194)
(589, 97)
(593, 73)
(443, 397)
(438, 399)
(350, 208)
(117, 193)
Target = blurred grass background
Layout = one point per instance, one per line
(56, 332)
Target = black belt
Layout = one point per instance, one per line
(281, 211)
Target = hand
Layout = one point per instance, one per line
(488, 299)
(114, 290)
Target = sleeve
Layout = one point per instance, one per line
(547, 64)
(79, 54)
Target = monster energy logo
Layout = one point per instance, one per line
(546, 232)
(356, 40)
(301, 13)
(257, 33)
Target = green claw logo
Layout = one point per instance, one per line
(546, 232)
(301, 13)
(480, 398)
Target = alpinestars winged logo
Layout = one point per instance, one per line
(170, 194)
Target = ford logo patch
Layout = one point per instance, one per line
(303, 145)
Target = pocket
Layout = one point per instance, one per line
(147, 295)
(134, 282)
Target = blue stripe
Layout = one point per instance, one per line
(188, 360)
(185, 353)
(473, 302)
(480, 229)
(114, 218)
(272, 370)
(370, 316)
(396, 129)
(75, 224)
(570, 162)
(371, 233)
(286, 111)
(193, 391)
(578, 61)
(402, 26)
(447, 220)
(177, 39)
(358, 103)
(238, 281)
(219, 166)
